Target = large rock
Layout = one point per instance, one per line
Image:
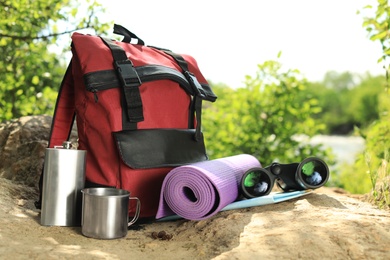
(325, 224)
(22, 147)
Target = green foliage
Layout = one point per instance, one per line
(378, 144)
(346, 100)
(264, 118)
(378, 26)
(373, 163)
(31, 74)
(339, 81)
(370, 169)
(369, 105)
(364, 99)
(354, 178)
(333, 105)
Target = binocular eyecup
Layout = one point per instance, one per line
(311, 173)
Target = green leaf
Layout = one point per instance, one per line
(73, 12)
(379, 36)
(3, 42)
(35, 80)
(19, 92)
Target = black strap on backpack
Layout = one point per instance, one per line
(130, 83)
(199, 92)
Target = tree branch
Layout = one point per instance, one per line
(30, 37)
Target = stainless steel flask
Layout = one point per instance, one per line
(63, 180)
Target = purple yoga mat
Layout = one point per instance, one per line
(200, 190)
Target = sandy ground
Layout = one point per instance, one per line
(327, 224)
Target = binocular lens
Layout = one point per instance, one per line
(256, 183)
(313, 172)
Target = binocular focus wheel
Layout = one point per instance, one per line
(275, 168)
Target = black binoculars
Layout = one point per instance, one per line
(311, 173)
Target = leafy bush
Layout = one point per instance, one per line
(370, 167)
(264, 118)
(345, 103)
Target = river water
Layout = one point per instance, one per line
(345, 148)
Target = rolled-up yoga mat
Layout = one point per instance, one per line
(200, 190)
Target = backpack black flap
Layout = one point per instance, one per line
(151, 148)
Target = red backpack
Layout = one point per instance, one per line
(138, 113)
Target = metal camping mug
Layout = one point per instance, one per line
(63, 180)
(105, 212)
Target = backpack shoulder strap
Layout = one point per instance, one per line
(196, 106)
(63, 118)
(65, 112)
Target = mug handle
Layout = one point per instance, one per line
(137, 211)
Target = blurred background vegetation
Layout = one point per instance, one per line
(267, 117)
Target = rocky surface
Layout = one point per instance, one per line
(327, 224)
(22, 148)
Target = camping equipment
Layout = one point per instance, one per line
(256, 182)
(64, 177)
(311, 173)
(105, 212)
(200, 190)
(272, 198)
(138, 113)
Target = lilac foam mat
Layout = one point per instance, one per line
(274, 197)
(200, 190)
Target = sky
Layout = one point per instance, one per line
(230, 38)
